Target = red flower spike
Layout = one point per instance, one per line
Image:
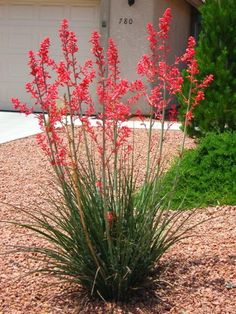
(173, 112)
(164, 24)
(152, 38)
(110, 216)
(189, 115)
(165, 78)
(99, 184)
(23, 108)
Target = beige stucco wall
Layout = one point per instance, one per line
(130, 38)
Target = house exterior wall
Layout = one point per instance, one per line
(128, 29)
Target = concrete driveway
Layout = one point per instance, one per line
(14, 125)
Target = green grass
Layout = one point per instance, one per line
(207, 174)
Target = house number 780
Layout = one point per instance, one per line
(125, 20)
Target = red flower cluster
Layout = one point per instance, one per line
(112, 94)
(67, 97)
(167, 79)
(164, 24)
(196, 88)
(47, 92)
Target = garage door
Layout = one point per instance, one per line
(23, 26)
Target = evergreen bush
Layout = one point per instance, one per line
(207, 174)
(216, 54)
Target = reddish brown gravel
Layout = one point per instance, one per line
(197, 276)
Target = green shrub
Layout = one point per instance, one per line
(216, 54)
(207, 174)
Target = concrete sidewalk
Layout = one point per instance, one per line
(15, 125)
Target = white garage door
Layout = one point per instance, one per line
(23, 26)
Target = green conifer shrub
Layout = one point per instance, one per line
(216, 54)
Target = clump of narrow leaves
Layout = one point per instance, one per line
(105, 231)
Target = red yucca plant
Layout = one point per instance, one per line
(107, 227)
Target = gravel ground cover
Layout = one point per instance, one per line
(198, 275)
